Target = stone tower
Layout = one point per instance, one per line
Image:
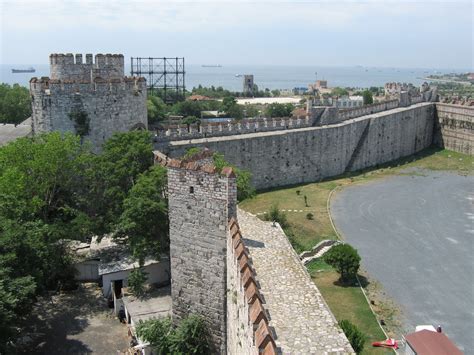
(93, 98)
(201, 202)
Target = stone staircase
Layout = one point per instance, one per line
(317, 251)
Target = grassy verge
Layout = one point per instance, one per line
(347, 302)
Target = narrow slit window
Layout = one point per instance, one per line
(191, 189)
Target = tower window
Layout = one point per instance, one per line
(191, 189)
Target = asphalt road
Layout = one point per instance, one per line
(415, 235)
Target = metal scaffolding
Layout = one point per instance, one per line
(164, 76)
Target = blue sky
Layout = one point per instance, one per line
(402, 33)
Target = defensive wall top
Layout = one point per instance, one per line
(71, 67)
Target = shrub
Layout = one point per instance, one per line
(136, 282)
(298, 192)
(189, 337)
(309, 216)
(345, 260)
(354, 335)
(275, 215)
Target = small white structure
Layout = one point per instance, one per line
(349, 102)
(110, 263)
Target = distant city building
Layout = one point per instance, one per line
(321, 84)
(248, 84)
(470, 76)
(392, 89)
(299, 91)
(349, 102)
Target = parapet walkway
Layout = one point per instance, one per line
(301, 319)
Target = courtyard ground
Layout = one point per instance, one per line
(414, 235)
(77, 322)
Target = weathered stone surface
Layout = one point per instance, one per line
(200, 206)
(301, 319)
(308, 154)
(112, 102)
(455, 128)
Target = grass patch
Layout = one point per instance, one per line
(318, 265)
(349, 303)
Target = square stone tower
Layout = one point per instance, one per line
(201, 203)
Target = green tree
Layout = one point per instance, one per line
(124, 157)
(275, 93)
(275, 215)
(279, 110)
(136, 281)
(15, 103)
(156, 108)
(228, 102)
(190, 336)
(367, 96)
(338, 91)
(243, 177)
(345, 259)
(235, 111)
(354, 335)
(144, 220)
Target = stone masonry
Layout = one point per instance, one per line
(201, 202)
(455, 128)
(309, 154)
(297, 312)
(99, 89)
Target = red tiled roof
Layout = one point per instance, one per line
(426, 342)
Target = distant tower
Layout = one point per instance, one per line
(201, 203)
(248, 84)
(93, 99)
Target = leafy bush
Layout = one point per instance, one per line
(136, 282)
(345, 260)
(309, 216)
(15, 103)
(189, 337)
(354, 335)
(277, 216)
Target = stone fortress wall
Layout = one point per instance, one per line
(310, 154)
(455, 128)
(211, 272)
(248, 331)
(201, 203)
(111, 101)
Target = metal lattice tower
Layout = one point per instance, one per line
(164, 76)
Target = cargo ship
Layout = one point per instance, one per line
(29, 70)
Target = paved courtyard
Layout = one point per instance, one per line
(77, 322)
(415, 235)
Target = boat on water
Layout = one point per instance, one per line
(29, 70)
(211, 66)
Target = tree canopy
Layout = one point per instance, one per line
(15, 103)
(53, 188)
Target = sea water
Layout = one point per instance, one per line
(270, 76)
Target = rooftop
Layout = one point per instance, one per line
(156, 304)
(426, 342)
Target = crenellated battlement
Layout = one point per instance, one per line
(71, 67)
(47, 86)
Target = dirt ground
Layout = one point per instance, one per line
(77, 322)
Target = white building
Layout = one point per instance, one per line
(349, 102)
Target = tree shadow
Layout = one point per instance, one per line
(363, 282)
(55, 319)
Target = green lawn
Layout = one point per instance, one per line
(347, 303)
